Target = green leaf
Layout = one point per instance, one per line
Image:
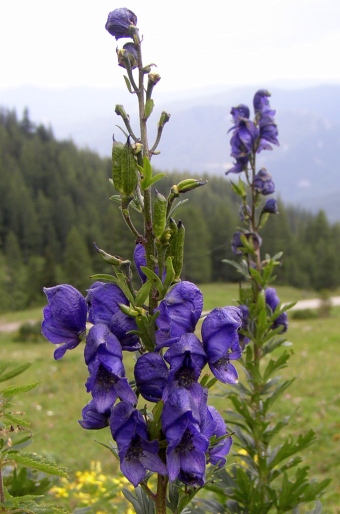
(290, 447)
(13, 390)
(156, 281)
(143, 293)
(15, 420)
(128, 83)
(32, 460)
(155, 426)
(13, 373)
(149, 105)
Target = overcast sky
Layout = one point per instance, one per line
(64, 43)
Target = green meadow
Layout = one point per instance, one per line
(313, 400)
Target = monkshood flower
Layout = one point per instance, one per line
(271, 206)
(139, 257)
(272, 300)
(136, 453)
(119, 23)
(263, 182)
(264, 116)
(237, 244)
(215, 426)
(185, 456)
(179, 313)
(64, 317)
(261, 104)
(183, 406)
(187, 359)
(151, 374)
(244, 138)
(240, 112)
(107, 381)
(103, 301)
(129, 52)
(221, 342)
(92, 419)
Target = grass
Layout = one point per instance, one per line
(54, 406)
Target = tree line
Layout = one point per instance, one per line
(55, 203)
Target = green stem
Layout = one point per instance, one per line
(162, 483)
(148, 231)
(2, 494)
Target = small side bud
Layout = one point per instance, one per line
(110, 259)
(159, 214)
(187, 185)
(127, 56)
(164, 118)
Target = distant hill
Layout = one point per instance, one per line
(306, 167)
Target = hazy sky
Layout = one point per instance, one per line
(64, 43)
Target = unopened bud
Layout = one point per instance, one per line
(159, 214)
(124, 169)
(187, 185)
(165, 117)
(110, 259)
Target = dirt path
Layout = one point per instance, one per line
(303, 304)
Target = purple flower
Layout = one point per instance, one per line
(239, 166)
(265, 119)
(273, 301)
(237, 244)
(187, 347)
(136, 453)
(179, 313)
(240, 112)
(244, 138)
(185, 456)
(64, 317)
(181, 407)
(131, 54)
(151, 374)
(215, 426)
(119, 22)
(187, 359)
(261, 103)
(92, 419)
(103, 301)
(221, 342)
(139, 257)
(271, 206)
(263, 182)
(107, 382)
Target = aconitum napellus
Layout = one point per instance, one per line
(64, 318)
(221, 342)
(107, 381)
(272, 300)
(137, 454)
(179, 313)
(120, 21)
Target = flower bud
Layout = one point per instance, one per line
(110, 259)
(159, 214)
(271, 206)
(127, 56)
(124, 169)
(121, 23)
(165, 117)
